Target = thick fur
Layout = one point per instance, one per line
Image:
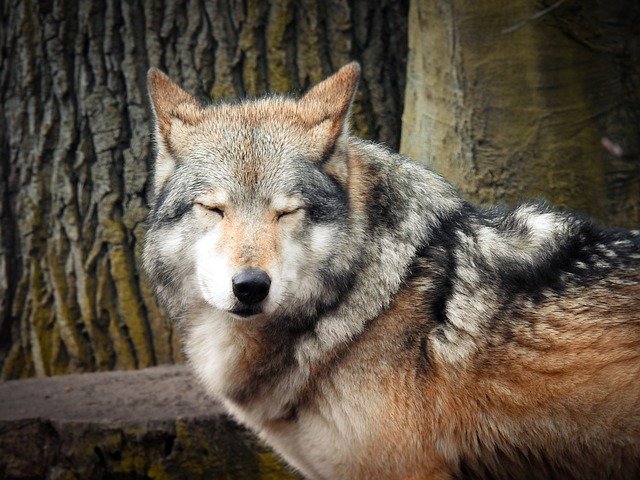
(407, 334)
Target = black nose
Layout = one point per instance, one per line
(251, 286)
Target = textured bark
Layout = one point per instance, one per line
(511, 100)
(74, 144)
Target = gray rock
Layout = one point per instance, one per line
(152, 423)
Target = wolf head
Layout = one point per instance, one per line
(250, 213)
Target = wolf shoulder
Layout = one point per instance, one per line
(513, 321)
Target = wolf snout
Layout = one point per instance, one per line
(251, 286)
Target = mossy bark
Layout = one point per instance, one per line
(214, 448)
(511, 100)
(74, 144)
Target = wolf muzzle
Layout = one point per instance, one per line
(251, 286)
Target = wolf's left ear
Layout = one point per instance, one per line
(326, 107)
(173, 110)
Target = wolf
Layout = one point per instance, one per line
(350, 308)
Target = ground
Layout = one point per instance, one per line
(152, 423)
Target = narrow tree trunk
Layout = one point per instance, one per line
(512, 100)
(74, 140)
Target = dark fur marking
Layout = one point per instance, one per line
(439, 251)
(341, 283)
(178, 210)
(327, 154)
(326, 200)
(384, 210)
(549, 272)
(162, 273)
(263, 376)
(291, 415)
(424, 356)
(416, 341)
(166, 212)
(553, 270)
(435, 260)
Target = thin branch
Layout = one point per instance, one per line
(617, 151)
(535, 16)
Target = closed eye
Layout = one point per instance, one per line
(285, 213)
(210, 208)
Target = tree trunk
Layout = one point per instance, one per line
(74, 141)
(512, 100)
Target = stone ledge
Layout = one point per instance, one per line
(154, 423)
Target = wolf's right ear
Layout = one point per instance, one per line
(173, 109)
(326, 107)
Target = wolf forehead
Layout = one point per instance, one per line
(240, 158)
(263, 134)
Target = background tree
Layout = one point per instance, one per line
(74, 143)
(508, 99)
(512, 99)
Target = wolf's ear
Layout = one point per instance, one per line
(326, 107)
(173, 109)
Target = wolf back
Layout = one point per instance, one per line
(353, 310)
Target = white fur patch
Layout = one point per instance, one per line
(325, 439)
(293, 281)
(212, 349)
(171, 245)
(543, 227)
(215, 198)
(281, 203)
(213, 272)
(321, 238)
(165, 164)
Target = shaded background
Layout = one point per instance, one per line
(512, 100)
(509, 99)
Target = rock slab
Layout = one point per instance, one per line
(154, 423)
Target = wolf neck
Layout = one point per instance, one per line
(395, 204)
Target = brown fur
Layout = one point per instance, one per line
(516, 391)
(261, 252)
